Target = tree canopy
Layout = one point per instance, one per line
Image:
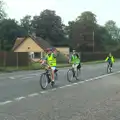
(2, 11)
(83, 34)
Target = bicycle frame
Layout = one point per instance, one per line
(49, 71)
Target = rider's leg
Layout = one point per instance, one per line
(76, 67)
(79, 66)
(53, 69)
(111, 65)
(73, 67)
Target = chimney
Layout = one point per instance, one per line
(34, 34)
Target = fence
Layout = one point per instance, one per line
(90, 56)
(16, 60)
(13, 59)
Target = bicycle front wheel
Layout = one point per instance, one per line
(43, 81)
(70, 75)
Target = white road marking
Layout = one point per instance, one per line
(19, 98)
(12, 77)
(69, 85)
(54, 89)
(43, 92)
(6, 102)
(26, 78)
(32, 95)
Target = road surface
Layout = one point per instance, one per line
(95, 97)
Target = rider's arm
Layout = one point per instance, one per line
(44, 60)
(55, 54)
(106, 59)
(37, 61)
(113, 60)
(70, 59)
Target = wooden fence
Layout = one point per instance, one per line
(14, 59)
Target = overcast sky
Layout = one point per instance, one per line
(67, 9)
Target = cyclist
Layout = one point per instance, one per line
(75, 60)
(110, 60)
(50, 58)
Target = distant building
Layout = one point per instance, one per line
(35, 46)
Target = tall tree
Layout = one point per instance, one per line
(113, 30)
(87, 16)
(81, 30)
(49, 26)
(9, 31)
(26, 23)
(102, 38)
(2, 11)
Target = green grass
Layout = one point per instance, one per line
(36, 66)
(94, 62)
(33, 66)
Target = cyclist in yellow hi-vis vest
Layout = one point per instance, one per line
(110, 59)
(75, 60)
(50, 58)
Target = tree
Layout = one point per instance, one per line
(2, 12)
(26, 23)
(49, 26)
(87, 17)
(113, 30)
(81, 30)
(9, 31)
(102, 38)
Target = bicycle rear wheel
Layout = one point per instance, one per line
(44, 81)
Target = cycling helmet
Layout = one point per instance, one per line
(50, 49)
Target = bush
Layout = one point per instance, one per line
(61, 58)
(88, 56)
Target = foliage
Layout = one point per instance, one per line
(82, 34)
(9, 31)
(48, 25)
(2, 11)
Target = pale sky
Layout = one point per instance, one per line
(67, 9)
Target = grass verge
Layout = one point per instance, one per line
(36, 66)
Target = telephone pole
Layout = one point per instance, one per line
(93, 41)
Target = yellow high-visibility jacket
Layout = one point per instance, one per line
(112, 59)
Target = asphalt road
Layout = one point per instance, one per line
(95, 97)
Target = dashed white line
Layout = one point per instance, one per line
(12, 77)
(69, 85)
(53, 89)
(42, 92)
(26, 78)
(32, 95)
(6, 102)
(62, 87)
(19, 98)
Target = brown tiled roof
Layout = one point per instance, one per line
(42, 43)
(39, 41)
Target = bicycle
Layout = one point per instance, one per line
(47, 77)
(75, 74)
(109, 68)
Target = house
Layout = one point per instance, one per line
(64, 49)
(35, 46)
